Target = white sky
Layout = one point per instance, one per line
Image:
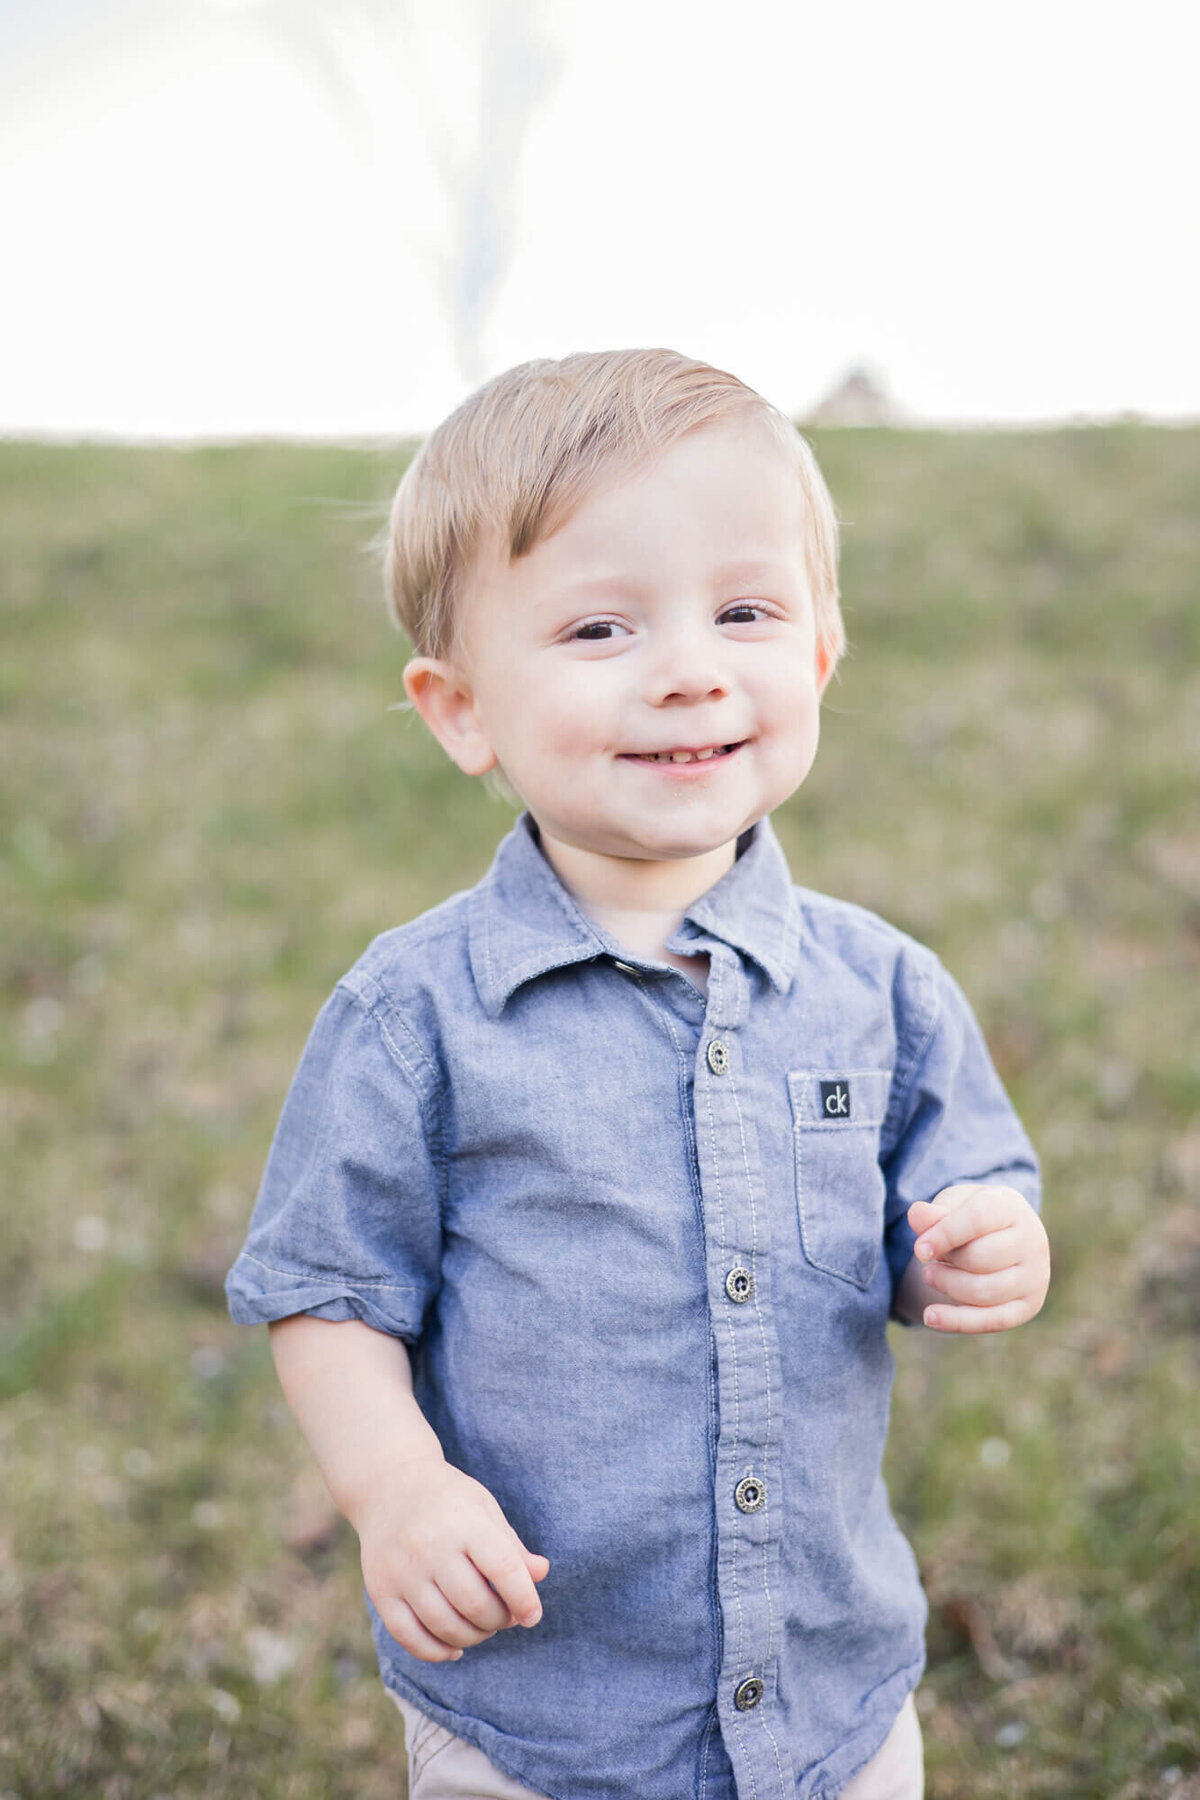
(227, 218)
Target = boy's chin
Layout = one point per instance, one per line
(677, 846)
(645, 847)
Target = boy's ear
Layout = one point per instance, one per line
(825, 666)
(442, 695)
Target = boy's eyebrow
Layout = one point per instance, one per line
(756, 569)
(585, 585)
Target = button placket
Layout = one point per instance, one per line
(738, 1222)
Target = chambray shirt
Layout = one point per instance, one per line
(643, 1245)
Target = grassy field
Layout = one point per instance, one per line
(208, 811)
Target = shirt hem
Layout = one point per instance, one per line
(838, 1772)
(397, 1684)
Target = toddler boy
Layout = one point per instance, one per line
(597, 1185)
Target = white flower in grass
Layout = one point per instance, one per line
(91, 1234)
(272, 1656)
(227, 1706)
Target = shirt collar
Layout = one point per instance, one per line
(523, 922)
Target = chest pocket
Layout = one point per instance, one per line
(836, 1118)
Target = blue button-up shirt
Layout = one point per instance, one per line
(643, 1244)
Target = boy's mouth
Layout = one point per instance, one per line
(685, 756)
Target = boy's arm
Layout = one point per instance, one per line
(983, 1248)
(442, 1564)
(952, 1140)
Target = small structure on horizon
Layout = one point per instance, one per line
(859, 398)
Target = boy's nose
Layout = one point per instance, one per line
(689, 666)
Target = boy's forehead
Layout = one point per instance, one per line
(618, 486)
(578, 542)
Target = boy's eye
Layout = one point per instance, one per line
(596, 630)
(744, 613)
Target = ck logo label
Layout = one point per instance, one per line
(835, 1099)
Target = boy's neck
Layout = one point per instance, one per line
(639, 903)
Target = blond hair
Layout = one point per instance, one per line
(525, 449)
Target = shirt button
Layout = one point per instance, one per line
(750, 1494)
(748, 1694)
(718, 1057)
(739, 1284)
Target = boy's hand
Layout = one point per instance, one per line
(987, 1251)
(442, 1564)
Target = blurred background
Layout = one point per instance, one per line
(253, 250)
(302, 216)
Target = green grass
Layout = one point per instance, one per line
(206, 810)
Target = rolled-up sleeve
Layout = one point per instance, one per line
(950, 1118)
(347, 1221)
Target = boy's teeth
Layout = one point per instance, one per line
(679, 756)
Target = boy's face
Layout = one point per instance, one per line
(670, 614)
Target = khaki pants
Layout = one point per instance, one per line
(443, 1767)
